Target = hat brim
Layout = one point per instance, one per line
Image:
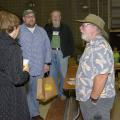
(105, 34)
(82, 21)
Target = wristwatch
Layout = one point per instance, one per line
(93, 100)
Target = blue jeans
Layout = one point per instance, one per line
(58, 69)
(33, 104)
(99, 111)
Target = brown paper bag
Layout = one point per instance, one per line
(46, 89)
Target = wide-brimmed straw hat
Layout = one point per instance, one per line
(96, 20)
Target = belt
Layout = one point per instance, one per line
(55, 48)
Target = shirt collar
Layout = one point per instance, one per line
(97, 39)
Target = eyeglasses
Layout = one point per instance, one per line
(85, 24)
(30, 16)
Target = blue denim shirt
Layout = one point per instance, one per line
(96, 59)
(35, 47)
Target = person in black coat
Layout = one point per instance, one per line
(13, 102)
(62, 48)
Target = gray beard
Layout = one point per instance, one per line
(85, 37)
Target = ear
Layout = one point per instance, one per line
(60, 17)
(23, 19)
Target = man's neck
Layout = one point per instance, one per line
(56, 25)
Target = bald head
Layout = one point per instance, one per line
(56, 18)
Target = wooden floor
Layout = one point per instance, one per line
(57, 109)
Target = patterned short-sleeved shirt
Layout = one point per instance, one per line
(96, 59)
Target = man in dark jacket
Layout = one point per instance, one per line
(62, 47)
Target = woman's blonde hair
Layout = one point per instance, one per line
(8, 21)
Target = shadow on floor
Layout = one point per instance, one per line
(56, 111)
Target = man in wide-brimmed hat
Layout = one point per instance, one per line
(95, 76)
(97, 21)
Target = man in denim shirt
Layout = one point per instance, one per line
(36, 48)
(95, 76)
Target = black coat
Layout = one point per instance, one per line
(13, 102)
(66, 38)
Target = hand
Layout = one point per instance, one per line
(26, 65)
(94, 101)
(46, 68)
(25, 68)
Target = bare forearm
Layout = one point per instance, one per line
(98, 85)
